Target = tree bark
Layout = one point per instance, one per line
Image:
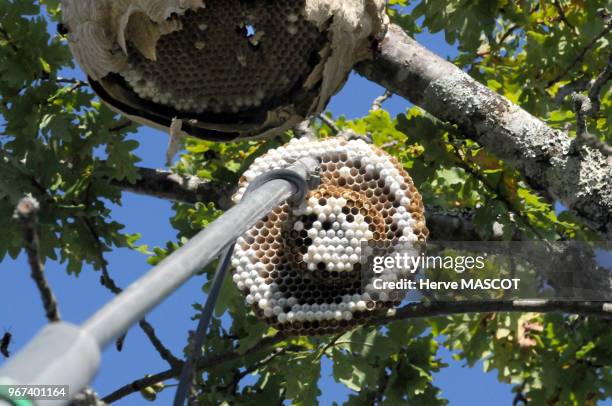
(172, 186)
(581, 179)
(443, 225)
(191, 189)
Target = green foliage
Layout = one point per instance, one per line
(60, 144)
(550, 358)
(51, 128)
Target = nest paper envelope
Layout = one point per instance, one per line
(229, 69)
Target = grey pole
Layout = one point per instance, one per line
(129, 307)
(114, 318)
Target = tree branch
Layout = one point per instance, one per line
(247, 371)
(145, 326)
(582, 54)
(329, 122)
(562, 15)
(163, 351)
(583, 107)
(540, 153)
(206, 363)
(5, 342)
(171, 186)
(140, 384)
(507, 34)
(27, 213)
(578, 85)
(432, 309)
(109, 283)
(376, 396)
(190, 189)
(378, 102)
(598, 85)
(450, 225)
(410, 311)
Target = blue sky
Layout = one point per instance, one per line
(21, 311)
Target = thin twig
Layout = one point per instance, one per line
(494, 189)
(204, 364)
(145, 326)
(110, 284)
(598, 85)
(73, 88)
(120, 342)
(376, 396)
(562, 15)
(27, 213)
(330, 344)
(61, 79)
(578, 85)
(4, 344)
(163, 351)
(582, 108)
(105, 279)
(8, 39)
(506, 34)
(329, 122)
(582, 54)
(139, 385)
(520, 399)
(378, 102)
(247, 371)
(276, 353)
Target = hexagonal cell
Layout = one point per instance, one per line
(314, 277)
(227, 68)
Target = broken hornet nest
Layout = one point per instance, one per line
(302, 269)
(227, 68)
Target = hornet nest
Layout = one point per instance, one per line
(229, 69)
(302, 269)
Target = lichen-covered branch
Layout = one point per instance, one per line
(378, 102)
(27, 213)
(443, 225)
(330, 123)
(581, 179)
(583, 107)
(410, 311)
(171, 186)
